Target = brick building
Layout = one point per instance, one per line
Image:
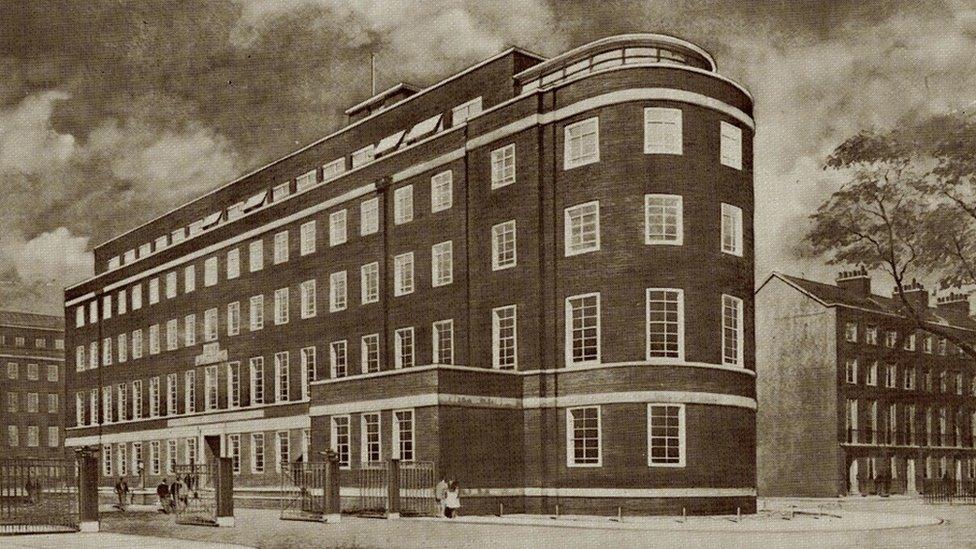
(850, 392)
(500, 273)
(31, 385)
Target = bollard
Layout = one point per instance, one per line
(557, 510)
(393, 489)
(225, 492)
(738, 514)
(88, 472)
(620, 514)
(501, 509)
(684, 514)
(333, 504)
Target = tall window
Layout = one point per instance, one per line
(337, 228)
(210, 388)
(504, 340)
(172, 334)
(308, 298)
(339, 357)
(307, 245)
(136, 297)
(369, 283)
(370, 430)
(256, 256)
(172, 400)
(281, 247)
(872, 377)
(503, 166)
(122, 409)
(137, 399)
(733, 334)
(190, 330)
(503, 246)
(153, 292)
(308, 369)
(441, 191)
(403, 274)
(281, 306)
(154, 458)
(662, 131)
(370, 353)
(403, 444)
(154, 396)
(581, 143)
(663, 219)
(666, 435)
(909, 383)
(665, 323)
(403, 205)
(583, 437)
(583, 329)
(337, 291)
(234, 318)
(171, 456)
(120, 302)
(339, 439)
(257, 453)
(281, 376)
(190, 392)
(891, 376)
(170, 286)
(369, 216)
(153, 339)
(581, 229)
(257, 380)
(283, 447)
(731, 229)
(403, 348)
(210, 271)
(210, 332)
(256, 316)
(234, 448)
(851, 371)
(731, 145)
(442, 336)
(442, 264)
(850, 332)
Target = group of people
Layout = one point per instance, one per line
(448, 498)
(175, 496)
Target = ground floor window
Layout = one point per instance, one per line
(340, 439)
(666, 435)
(234, 448)
(583, 437)
(403, 434)
(370, 429)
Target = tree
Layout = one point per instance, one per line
(907, 208)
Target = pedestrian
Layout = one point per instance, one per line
(181, 490)
(440, 494)
(162, 492)
(122, 491)
(174, 496)
(453, 501)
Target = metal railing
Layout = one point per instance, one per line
(417, 488)
(303, 490)
(949, 490)
(197, 504)
(38, 495)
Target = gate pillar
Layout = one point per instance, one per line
(225, 492)
(87, 457)
(393, 489)
(333, 505)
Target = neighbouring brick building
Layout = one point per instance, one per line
(850, 392)
(31, 385)
(501, 273)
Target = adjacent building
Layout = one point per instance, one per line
(501, 273)
(31, 386)
(850, 392)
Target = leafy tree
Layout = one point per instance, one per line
(907, 208)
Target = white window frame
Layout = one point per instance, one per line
(403, 205)
(364, 419)
(333, 169)
(734, 216)
(369, 354)
(369, 283)
(442, 263)
(569, 161)
(338, 291)
(281, 312)
(369, 216)
(569, 330)
(503, 171)
(496, 337)
(442, 191)
(437, 329)
(404, 281)
(308, 298)
(338, 233)
(255, 317)
(399, 337)
(739, 329)
(307, 233)
(682, 435)
(339, 359)
(399, 441)
(680, 326)
(731, 145)
(499, 231)
(573, 224)
(343, 451)
(255, 256)
(676, 201)
(663, 131)
(280, 248)
(570, 437)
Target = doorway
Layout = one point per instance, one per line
(853, 489)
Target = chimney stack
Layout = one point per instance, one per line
(916, 295)
(954, 301)
(857, 281)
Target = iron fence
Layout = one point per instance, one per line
(417, 489)
(948, 490)
(195, 501)
(38, 495)
(303, 490)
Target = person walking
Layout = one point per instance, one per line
(162, 492)
(453, 501)
(182, 490)
(122, 492)
(174, 495)
(440, 494)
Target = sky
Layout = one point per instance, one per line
(114, 112)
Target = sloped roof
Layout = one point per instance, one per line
(831, 295)
(31, 320)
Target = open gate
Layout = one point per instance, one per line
(303, 491)
(198, 503)
(416, 488)
(38, 496)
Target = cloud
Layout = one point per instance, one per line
(28, 143)
(49, 258)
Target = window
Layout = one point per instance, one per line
(80, 408)
(337, 291)
(463, 112)
(171, 457)
(256, 261)
(80, 360)
(909, 344)
(666, 435)
(442, 341)
(281, 376)
(171, 396)
(891, 376)
(280, 192)
(283, 450)
(731, 229)
(583, 437)
(403, 348)
(121, 394)
(308, 369)
(733, 336)
(872, 378)
(33, 436)
(92, 314)
(154, 291)
(106, 351)
(662, 131)
(107, 302)
(583, 329)
(663, 219)
(581, 143)
(59, 343)
(581, 229)
(281, 247)
(909, 383)
(172, 335)
(731, 145)
(927, 345)
(33, 373)
(333, 169)
(369, 216)
(339, 357)
(943, 345)
(371, 450)
(13, 402)
(170, 285)
(441, 191)
(233, 318)
(851, 371)
(136, 297)
(154, 395)
(370, 353)
(190, 330)
(504, 340)
(337, 228)
(871, 335)
(106, 460)
(120, 302)
(233, 384)
(403, 435)
(281, 306)
(369, 284)
(665, 323)
(257, 380)
(850, 332)
(503, 166)
(305, 181)
(233, 263)
(52, 370)
(54, 437)
(210, 389)
(80, 316)
(362, 156)
(154, 339)
(210, 321)
(442, 264)
(403, 205)
(503, 246)
(52, 403)
(93, 355)
(257, 452)
(234, 449)
(307, 238)
(339, 439)
(891, 339)
(190, 278)
(137, 399)
(256, 316)
(190, 392)
(403, 274)
(307, 289)
(13, 436)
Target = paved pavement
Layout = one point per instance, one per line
(104, 540)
